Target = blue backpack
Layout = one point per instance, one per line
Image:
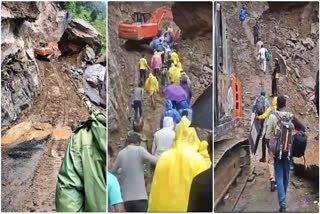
(243, 14)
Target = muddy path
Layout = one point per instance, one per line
(30, 169)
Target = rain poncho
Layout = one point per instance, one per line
(81, 183)
(170, 112)
(156, 61)
(174, 74)
(175, 171)
(185, 107)
(156, 44)
(152, 84)
(175, 58)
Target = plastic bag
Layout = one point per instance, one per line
(152, 84)
(175, 171)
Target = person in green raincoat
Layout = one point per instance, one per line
(81, 183)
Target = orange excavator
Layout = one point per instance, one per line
(47, 50)
(144, 25)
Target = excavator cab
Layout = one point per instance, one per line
(141, 17)
(43, 44)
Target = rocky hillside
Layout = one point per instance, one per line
(290, 32)
(195, 51)
(23, 26)
(43, 100)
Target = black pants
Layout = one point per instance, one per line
(264, 145)
(255, 37)
(143, 76)
(137, 107)
(136, 206)
(274, 87)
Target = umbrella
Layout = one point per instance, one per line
(175, 92)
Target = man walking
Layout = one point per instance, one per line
(143, 65)
(281, 160)
(256, 32)
(131, 161)
(275, 78)
(262, 59)
(137, 101)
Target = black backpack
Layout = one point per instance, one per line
(282, 139)
(260, 108)
(299, 144)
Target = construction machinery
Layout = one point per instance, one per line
(231, 148)
(145, 25)
(47, 50)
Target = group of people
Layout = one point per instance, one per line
(177, 155)
(282, 134)
(283, 137)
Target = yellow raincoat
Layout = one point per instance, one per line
(174, 74)
(175, 58)
(269, 109)
(175, 171)
(152, 84)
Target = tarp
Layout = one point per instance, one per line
(202, 110)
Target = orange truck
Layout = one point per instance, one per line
(145, 25)
(47, 50)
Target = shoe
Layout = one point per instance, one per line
(282, 209)
(273, 186)
(263, 160)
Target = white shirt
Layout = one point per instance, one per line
(259, 44)
(262, 53)
(163, 139)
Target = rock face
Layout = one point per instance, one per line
(23, 26)
(24, 10)
(198, 14)
(20, 85)
(102, 60)
(78, 34)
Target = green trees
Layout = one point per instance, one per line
(92, 12)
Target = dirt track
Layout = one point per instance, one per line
(29, 182)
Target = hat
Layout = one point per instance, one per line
(276, 59)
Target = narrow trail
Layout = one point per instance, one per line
(256, 196)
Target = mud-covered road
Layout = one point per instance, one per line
(30, 169)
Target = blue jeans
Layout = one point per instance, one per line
(282, 173)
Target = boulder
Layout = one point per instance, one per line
(102, 60)
(93, 95)
(78, 34)
(88, 54)
(309, 82)
(95, 74)
(291, 44)
(308, 43)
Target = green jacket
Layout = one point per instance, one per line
(81, 183)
